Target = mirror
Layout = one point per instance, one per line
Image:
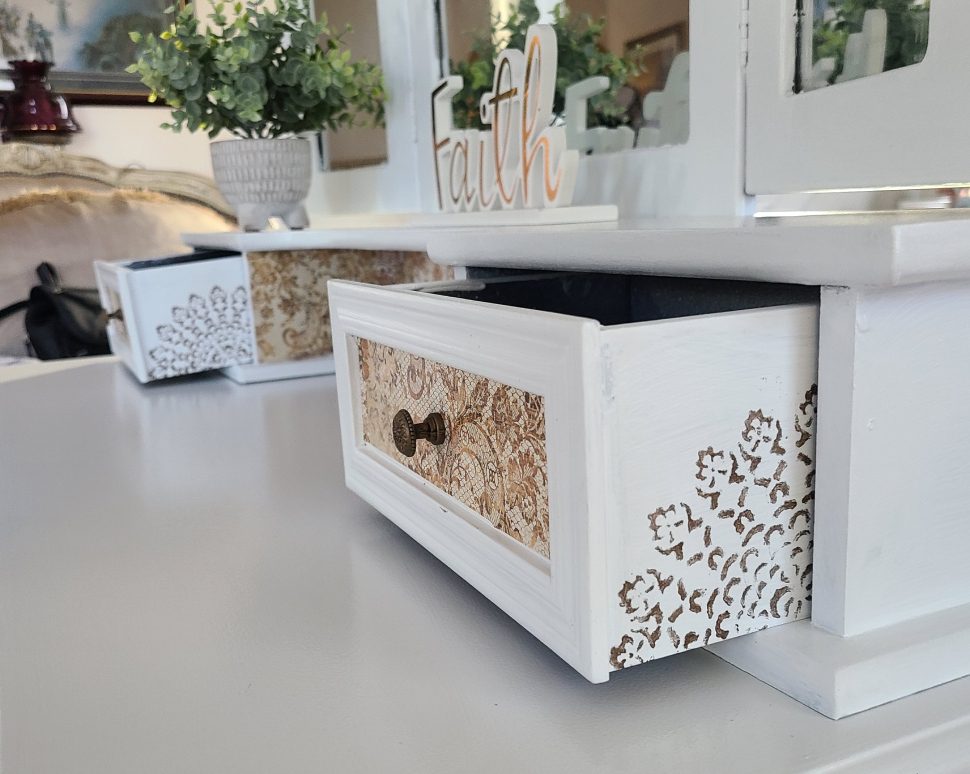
(843, 40)
(364, 145)
(640, 47)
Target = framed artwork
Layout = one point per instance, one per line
(655, 53)
(86, 39)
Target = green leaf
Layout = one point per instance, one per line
(239, 77)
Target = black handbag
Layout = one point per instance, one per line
(62, 322)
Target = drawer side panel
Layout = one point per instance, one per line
(713, 495)
(494, 459)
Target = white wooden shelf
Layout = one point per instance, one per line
(345, 237)
(396, 231)
(842, 250)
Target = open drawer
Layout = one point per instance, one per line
(622, 464)
(180, 315)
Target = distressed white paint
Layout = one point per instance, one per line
(866, 334)
(671, 389)
(551, 599)
(891, 516)
(899, 128)
(892, 522)
(618, 444)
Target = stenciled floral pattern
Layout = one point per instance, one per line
(494, 456)
(290, 305)
(735, 559)
(209, 332)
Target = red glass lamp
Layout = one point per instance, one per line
(33, 111)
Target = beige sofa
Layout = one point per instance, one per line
(72, 211)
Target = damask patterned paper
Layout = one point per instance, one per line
(736, 555)
(494, 457)
(290, 306)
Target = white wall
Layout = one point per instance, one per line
(131, 136)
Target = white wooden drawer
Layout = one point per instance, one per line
(171, 317)
(625, 487)
(256, 316)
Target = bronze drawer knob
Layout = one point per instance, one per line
(407, 434)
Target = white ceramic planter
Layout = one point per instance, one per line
(263, 179)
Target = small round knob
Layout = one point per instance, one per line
(407, 434)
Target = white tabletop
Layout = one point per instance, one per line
(186, 586)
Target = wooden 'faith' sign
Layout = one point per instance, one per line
(522, 162)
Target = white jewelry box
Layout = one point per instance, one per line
(255, 316)
(624, 487)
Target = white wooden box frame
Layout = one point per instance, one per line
(905, 127)
(749, 133)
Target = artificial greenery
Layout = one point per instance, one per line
(579, 53)
(906, 41)
(260, 74)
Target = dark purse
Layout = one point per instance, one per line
(62, 322)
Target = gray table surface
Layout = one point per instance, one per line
(186, 586)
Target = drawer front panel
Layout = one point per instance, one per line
(494, 456)
(291, 310)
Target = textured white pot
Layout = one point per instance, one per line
(263, 179)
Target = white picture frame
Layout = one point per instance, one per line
(823, 140)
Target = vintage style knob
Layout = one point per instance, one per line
(407, 434)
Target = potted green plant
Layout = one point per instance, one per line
(264, 76)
